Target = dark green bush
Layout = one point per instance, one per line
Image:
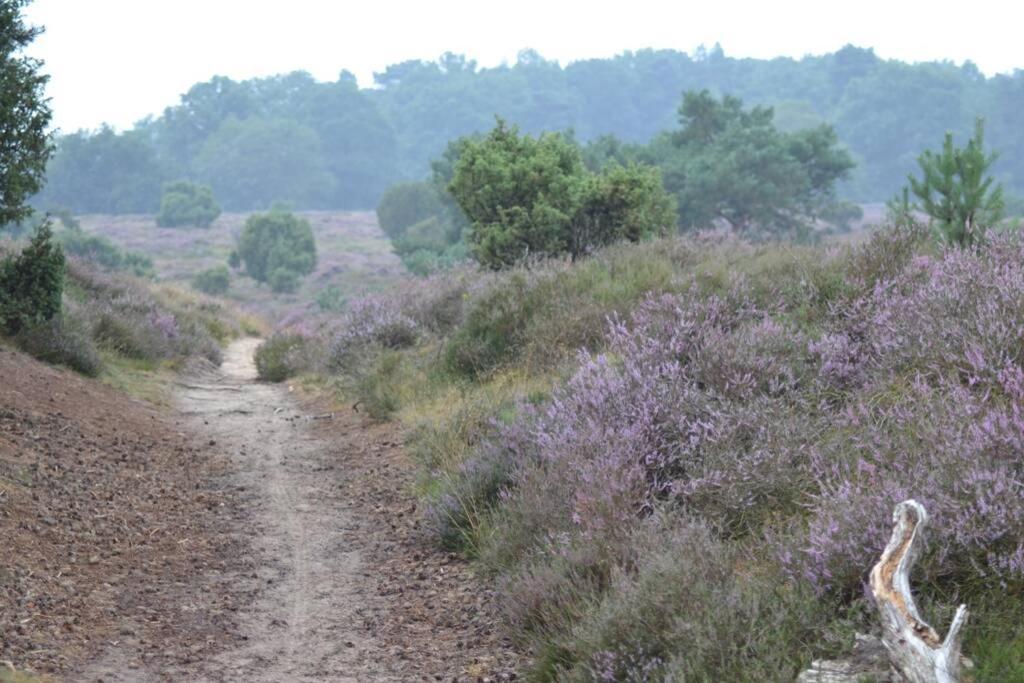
(331, 299)
(274, 242)
(214, 281)
(184, 203)
(424, 262)
(61, 341)
(32, 283)
(526, 197)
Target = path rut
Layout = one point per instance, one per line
(305, 624)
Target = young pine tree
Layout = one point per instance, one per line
(956, 190)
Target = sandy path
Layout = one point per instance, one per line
(323, 572)
(305, 624)
(299, 586)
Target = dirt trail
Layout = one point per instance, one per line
(327, 576)
(305, 624)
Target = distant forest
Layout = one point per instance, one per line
(333, 145)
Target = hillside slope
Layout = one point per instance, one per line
(101, 506)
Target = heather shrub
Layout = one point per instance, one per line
(715, 402)
(679, 459)
(662, 416)
(127, 335)
(437, 303)
(370, 322)
(492, 328)
(957, 314)
(464, 498)
(943, 446)
(375, 383)
(678, 610)
(282, 356)
(885, 254)
(804, 281)
(210, 318)
(145, 323)
(63, 340)
(539, 316)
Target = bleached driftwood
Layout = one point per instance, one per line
(910, 650)
(915, 649)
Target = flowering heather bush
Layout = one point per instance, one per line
(686, 405)
(370, 322)
(960, 314)
(438, 303)
(130, 318)
(949, 448)
(63, 340)
(787, 406)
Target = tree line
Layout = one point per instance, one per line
(333, 144)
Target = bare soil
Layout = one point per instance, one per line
(251, 536)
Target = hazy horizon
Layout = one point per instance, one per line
(118, 61)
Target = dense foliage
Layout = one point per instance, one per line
(423, 219)
(404, 205)
(355, 142)
(31, 283)
(733, 165)
(25, 144)
(104, 172)
(277, 248)
(184, 203)
(253, 163)
(526, 197)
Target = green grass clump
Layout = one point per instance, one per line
(281, 357)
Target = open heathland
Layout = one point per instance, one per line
(678, 460)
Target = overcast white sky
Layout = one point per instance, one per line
(118, 60)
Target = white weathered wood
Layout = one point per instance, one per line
(915, 649)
